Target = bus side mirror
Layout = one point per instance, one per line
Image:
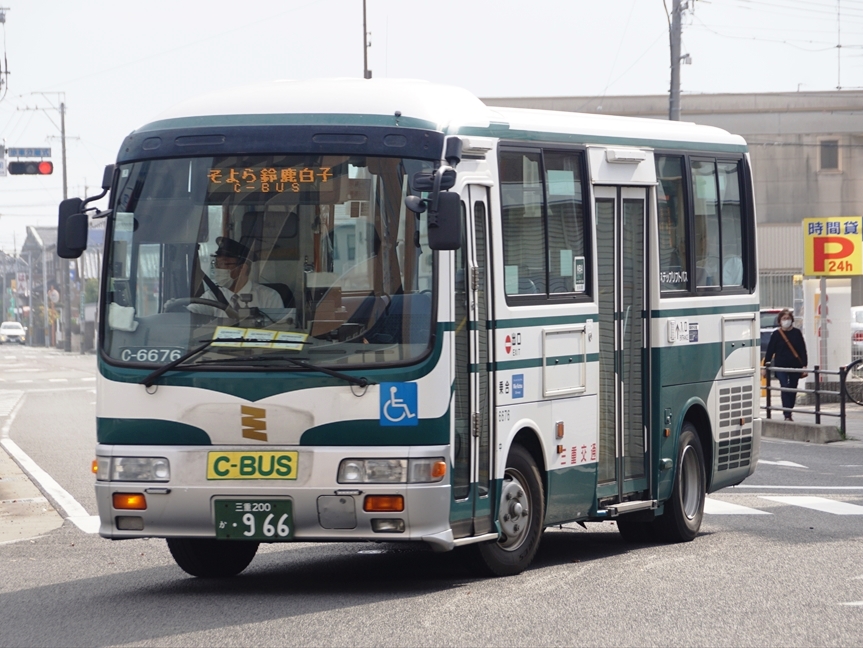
(71, 229)
(444, 232)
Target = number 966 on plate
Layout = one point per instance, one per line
(262, 520)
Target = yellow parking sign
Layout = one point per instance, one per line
(832, 246)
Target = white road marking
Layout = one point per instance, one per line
(69, 505)
(720, 507)
(752, 486)
(817, 504)
(8, 401)
(786, 464)
(854, 603)
(91, 379)
(87, 523)
(23, 381)
(58, 380)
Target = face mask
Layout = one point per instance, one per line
(222, 277)
(786, 323)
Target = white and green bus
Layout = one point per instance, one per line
(476, 323)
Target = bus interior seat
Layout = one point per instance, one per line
(284, 292)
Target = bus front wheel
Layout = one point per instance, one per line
(681, 519)
(520, 517)
(207, 558)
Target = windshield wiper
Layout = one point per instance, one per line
(150, 380)
(361, 381)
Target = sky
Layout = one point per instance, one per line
(118, 65)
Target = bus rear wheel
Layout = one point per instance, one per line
(520, 517)
(207, 558)
(683, 513)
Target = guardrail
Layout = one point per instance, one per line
(818, 392)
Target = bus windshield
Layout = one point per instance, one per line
(308, 257)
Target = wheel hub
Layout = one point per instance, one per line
(514, 513)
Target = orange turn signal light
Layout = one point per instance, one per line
(95, 467)
(130, 501)
(384, 504)
(438, 470)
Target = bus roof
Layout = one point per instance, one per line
(421, 104)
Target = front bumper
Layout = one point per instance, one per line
(184, 506)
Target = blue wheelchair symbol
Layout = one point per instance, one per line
(399, 404)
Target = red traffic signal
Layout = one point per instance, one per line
(34, 167)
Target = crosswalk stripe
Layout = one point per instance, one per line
(721, 507)
(817, 504)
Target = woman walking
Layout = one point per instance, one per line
(787, 350)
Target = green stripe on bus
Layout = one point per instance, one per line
(705, 310)
(541, 321)
(148, 432)
(289, 119)
(372, 433)
(504, 132)
(528, 363)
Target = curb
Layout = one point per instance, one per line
(804, 432)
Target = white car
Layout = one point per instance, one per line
(13, 332)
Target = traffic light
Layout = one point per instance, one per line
(33, 167)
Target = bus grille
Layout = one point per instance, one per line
(735, 431)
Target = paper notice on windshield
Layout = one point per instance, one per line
(229, 336)
(290, 341)
(232, 336)
(259, 338)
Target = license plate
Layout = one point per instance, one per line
(267, 520)
(252, 465)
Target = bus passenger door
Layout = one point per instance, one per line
(623, 390)
(471, 512)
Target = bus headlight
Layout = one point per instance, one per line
(392, 471)
(149, 469)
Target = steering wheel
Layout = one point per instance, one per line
(178, 304)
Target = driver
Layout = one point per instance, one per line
(230, 272)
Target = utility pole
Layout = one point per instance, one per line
(367, 73)
(64, 263)
(30, 298)
(674, 94)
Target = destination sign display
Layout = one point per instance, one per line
(268, 179)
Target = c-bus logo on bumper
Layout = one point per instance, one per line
(833, 246)
(399, 404)
(252, 465)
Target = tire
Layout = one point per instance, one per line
(520, 517)
(683, 513)
(855, 371)
(636, 531)
(206, 558)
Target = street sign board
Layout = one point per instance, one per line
(29, 152)
(832, 246)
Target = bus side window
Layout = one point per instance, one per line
(565, 220)
(732, 224)
(673, 247)
(706, 201)
(523, 230)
